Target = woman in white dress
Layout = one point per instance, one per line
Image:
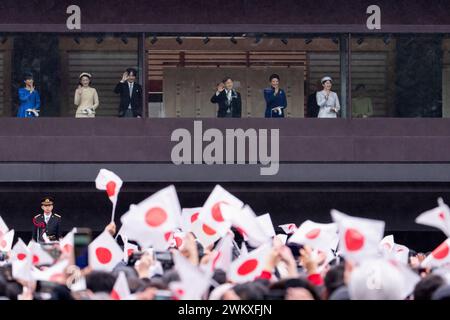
(86, 98)
(327, 100)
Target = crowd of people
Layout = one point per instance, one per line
(223, 251)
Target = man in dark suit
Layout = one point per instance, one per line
(228, 99)
(46, 226)
(130, 95)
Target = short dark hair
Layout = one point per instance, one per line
(133, 71)
(85, 75)
(28, 76)
(274, 76)
(427, 286)
(226, 79)
(100, 281)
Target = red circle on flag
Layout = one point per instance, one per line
(35, 259)
(178, 242)
(155, 217)
(216, 213)
(208, 230)
(167, 235)
(111, 188)
(104, 255)
(194, 217)
(313, 234)
(130, 252)
(247, 267)
(3, 243)
(441, 252)
(21, 256)
(115, 295)
(442, 216)
(354, 240)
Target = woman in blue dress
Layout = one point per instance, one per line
(30, 101)
(275, 98)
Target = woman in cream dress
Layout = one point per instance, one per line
(86, 98)
(328, 100)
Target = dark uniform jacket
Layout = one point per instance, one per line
(232, 109)
(135, 100)
(52, 228)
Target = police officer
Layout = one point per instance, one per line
(46, 226)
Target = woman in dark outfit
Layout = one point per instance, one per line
(275, 98)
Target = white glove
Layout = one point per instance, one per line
(34, 112)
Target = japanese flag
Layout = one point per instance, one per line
(177, 239)
(401, 253)
(387, 244)
(152, 222)
(319, 236)
(439, 257)
(223, 253)
(21, 269)
(265, 221)
(212, 213)
(3, 228)
(359, 237)
(20, 251)
(248, 267)
(55, 273)
(438, 217)
(193, 282)
(104, 253)
(204, 234)
(67, 243)
(121, 290)
(188, 218)
(128, 250)
(289, 228)
(256, 232)
(111, 183)
(6, 241)
(38, 255)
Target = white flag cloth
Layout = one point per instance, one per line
(359, 237)
(212, 213)
(121, 290)
(193, 282)
(111, 183)
(246, 222)
(387, 244)
(21, 269)
(265, 221)
(38, 255)
(152, 222)
(223, 253)
(6, 241)
(204, 234)
(248, 267)
(188, 218)
(3, 227)
(288, 228)
(438, 217)
(128, 250)
(53, 274)
(104, 252)
(20, 251)
(321, 236)
(67, 243)
(439, 257)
